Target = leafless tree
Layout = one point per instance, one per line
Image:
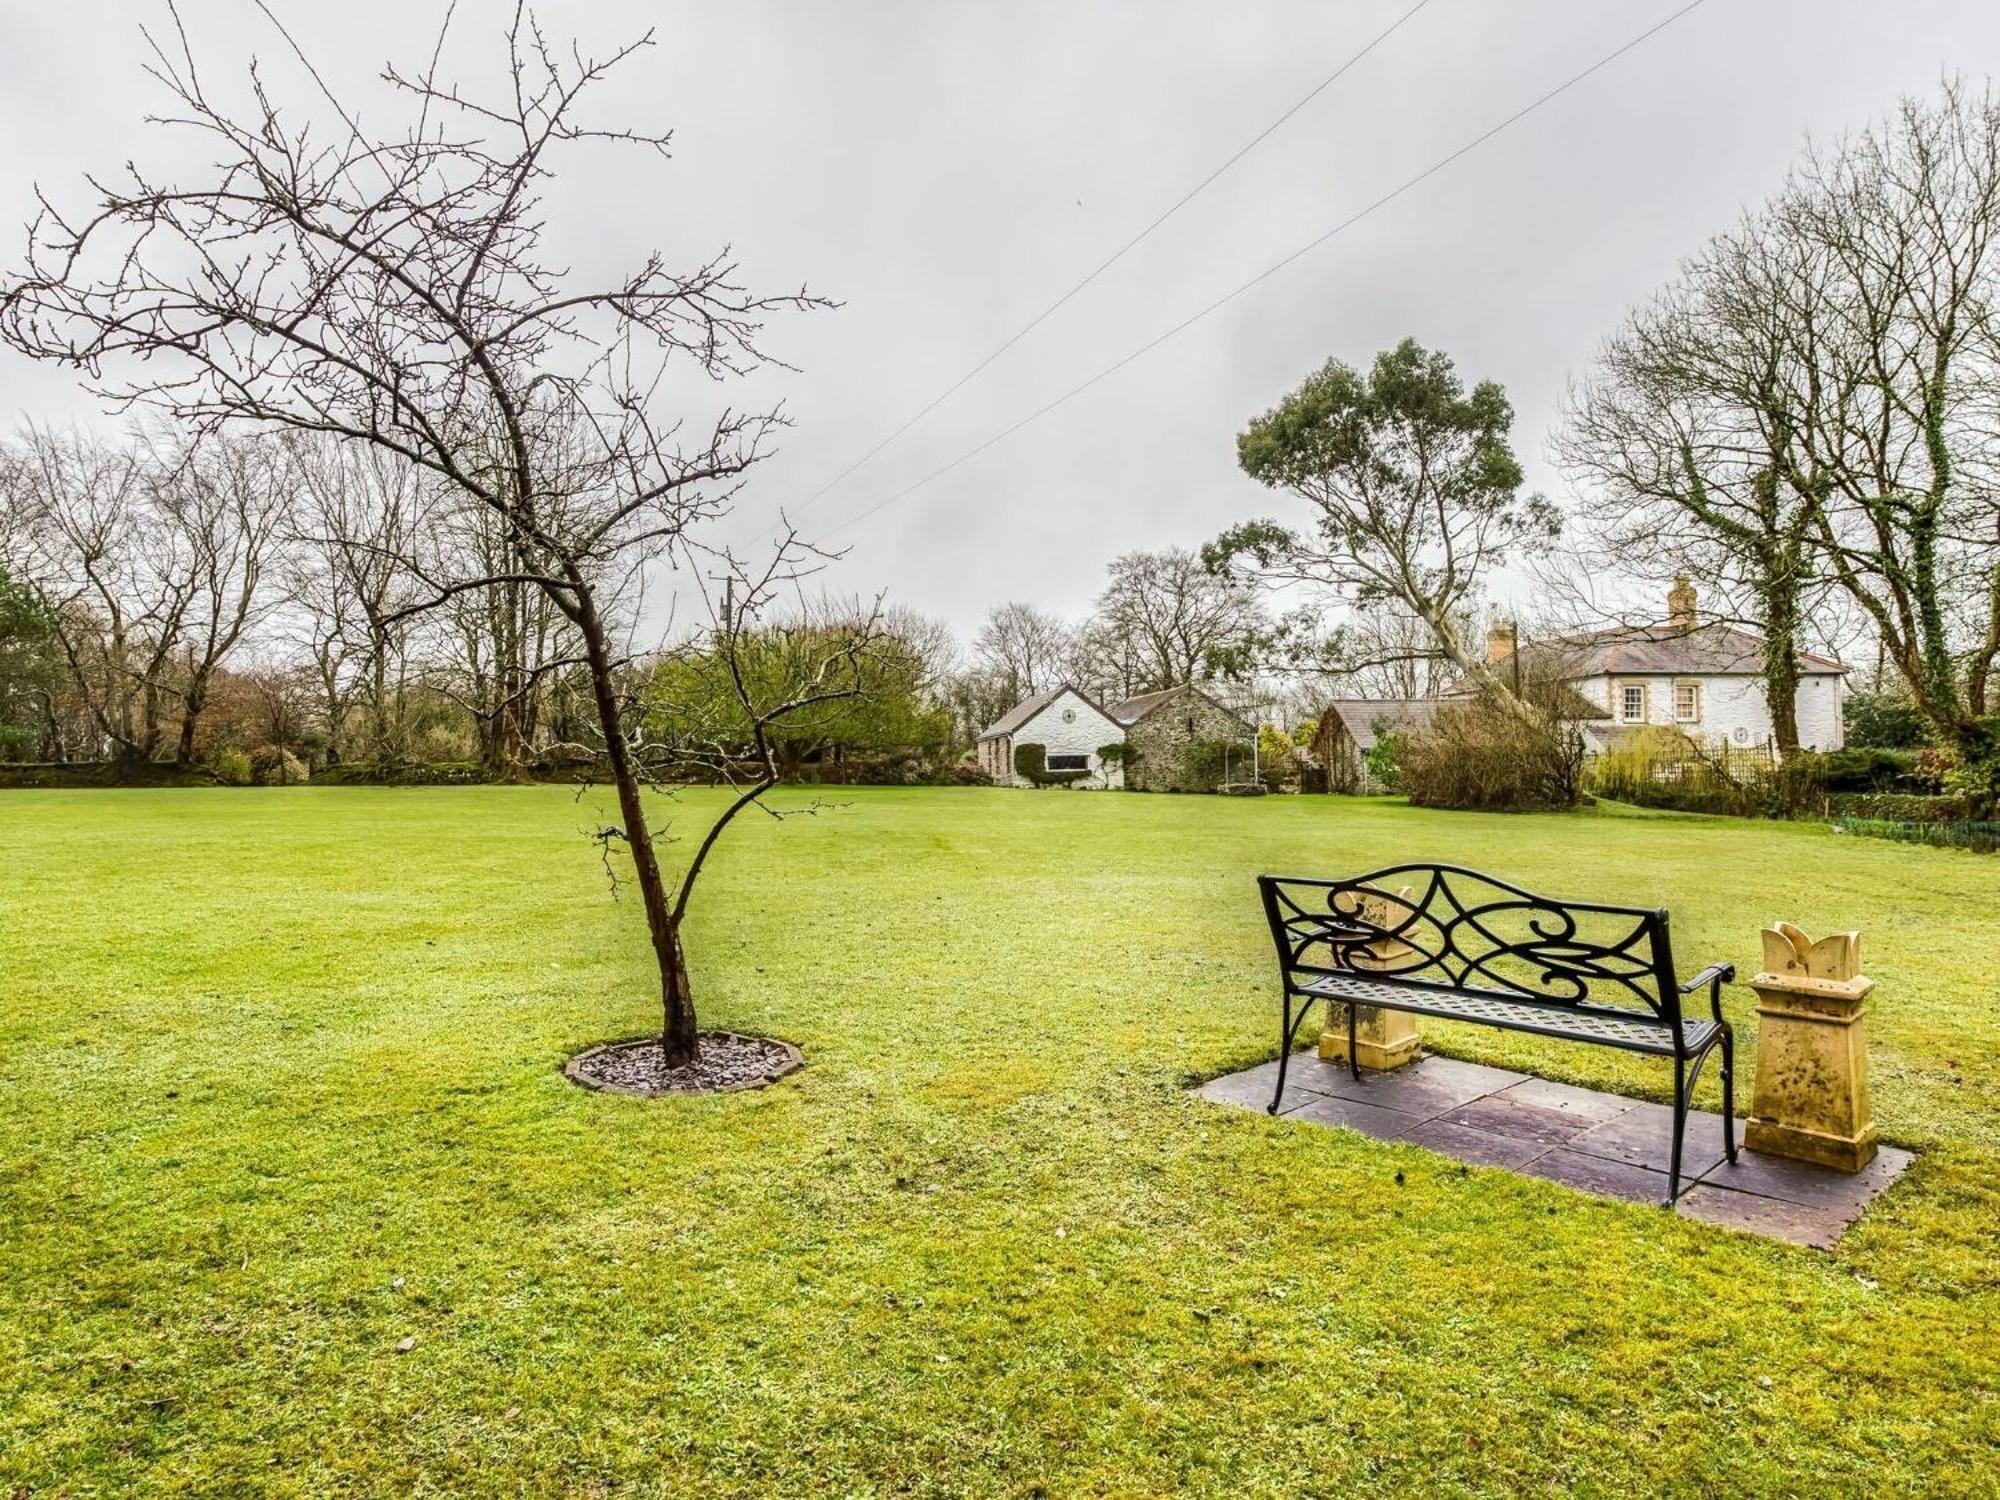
(394, 288)
(1682, 441)
(1378, 653)
(1900, 416)
(222, 500)
(1026, 647)
(364, 512)
(1178, 621)
(115, 576)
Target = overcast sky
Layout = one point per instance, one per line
(947, 170)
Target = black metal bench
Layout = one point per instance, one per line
(1441, 940)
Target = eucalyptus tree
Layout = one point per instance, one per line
(1412, 493)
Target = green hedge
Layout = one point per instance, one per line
(1981, 837)
(1031, 764)
(1901, 807)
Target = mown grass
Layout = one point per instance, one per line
(279, 1088)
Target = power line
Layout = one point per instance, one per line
(1276, 266)
(1117, 255)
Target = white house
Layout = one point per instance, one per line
(1705, 680)
(1067, 725)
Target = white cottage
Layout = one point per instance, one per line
(1068, 726)
(1705, 680)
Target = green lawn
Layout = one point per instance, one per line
(279, 1088)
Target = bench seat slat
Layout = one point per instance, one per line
(1636, 1033)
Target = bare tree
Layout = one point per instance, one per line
(222, 499)
(1900, 428)
(394, 289)
(365, 511)
(1683, 439)
(1026, 647)
(1178, 621)
(1379, 653)
(114, 576)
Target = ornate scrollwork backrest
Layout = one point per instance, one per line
(1453, 927)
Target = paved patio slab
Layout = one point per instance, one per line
(1597, 1142)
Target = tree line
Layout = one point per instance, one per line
(273, 598)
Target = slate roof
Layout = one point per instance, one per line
(1023, 711)
(1132, 710)
(1662, 651)
(1360, 716)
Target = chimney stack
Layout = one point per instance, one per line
(1499, 642)
(1680, 603)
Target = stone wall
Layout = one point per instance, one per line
(1157, 758)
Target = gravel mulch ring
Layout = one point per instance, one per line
(726, 1062)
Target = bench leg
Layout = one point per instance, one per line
(1729, 1096)
(1680, 1130)
(1287, 1034)
(1354, 1040)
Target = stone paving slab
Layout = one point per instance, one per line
(1597, 1142)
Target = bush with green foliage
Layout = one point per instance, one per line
(1381, 761)
(1887, 721)
(1031, 764)
(1981, 837)
(1277, 757)
(231, 766)
(1902, 807)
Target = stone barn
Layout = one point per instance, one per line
(1168, 740)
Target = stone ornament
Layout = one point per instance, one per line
(1811, 1100)
(1383, 1039)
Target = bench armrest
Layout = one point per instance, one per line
(1714, 976)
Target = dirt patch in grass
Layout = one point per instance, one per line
(725, 1063)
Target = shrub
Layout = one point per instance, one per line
(1861, 768)
(961, 775)
(1031, 764)
(1277, 757)
(1901, 807)
(272, 765)
(1481, 754)
(231, 766)
(1383, 761)
(1887, 721)
(1979, 837)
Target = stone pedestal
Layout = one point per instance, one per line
(1383, 1039)
(1811, 1100)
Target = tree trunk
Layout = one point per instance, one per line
(192, 703)
(1781, 658)
(679, 1030)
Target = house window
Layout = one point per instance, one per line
(1632, 703)
(1687, 702)
(1069, 762)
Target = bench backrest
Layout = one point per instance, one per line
(1447, 927)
